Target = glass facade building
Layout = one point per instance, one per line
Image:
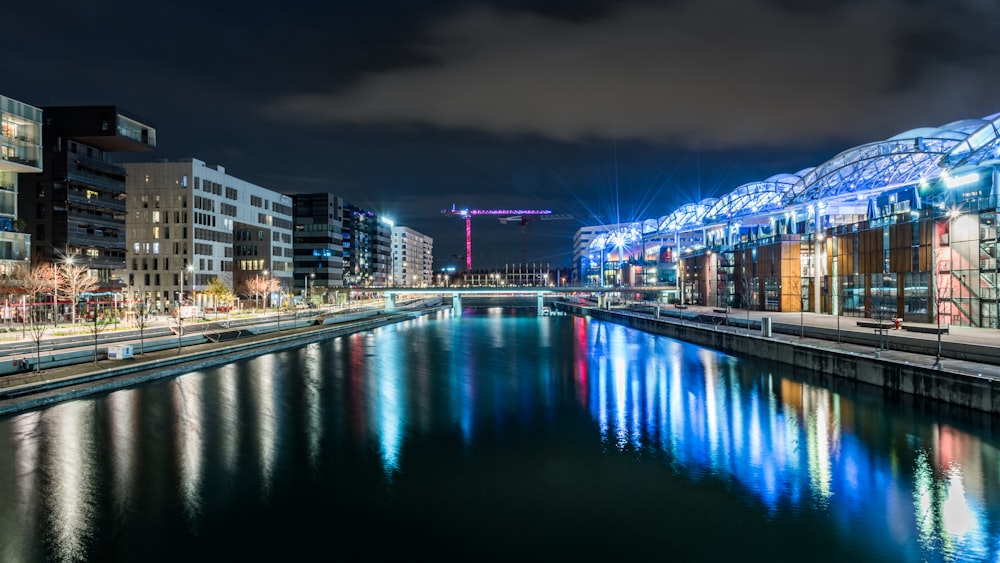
(904, 227)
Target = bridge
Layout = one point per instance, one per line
(648, 292)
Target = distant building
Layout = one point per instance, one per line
(412, 258)
(318, 243)
(582, 240)
(366, 239)
(78, 200)
(20, 152)
(190, 223)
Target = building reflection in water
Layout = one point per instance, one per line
(785, 445)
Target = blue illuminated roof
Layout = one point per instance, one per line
(686, 216)
(754, 197)
(903, 159)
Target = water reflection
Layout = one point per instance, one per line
(786, 446)
(187, 392)
(69, 479)
(217, 445)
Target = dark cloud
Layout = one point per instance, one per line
(712, 73)
(614, 109)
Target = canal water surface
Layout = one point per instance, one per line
(499, 435)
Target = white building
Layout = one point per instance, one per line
(412, 258)
(189, 223)
(20, 152)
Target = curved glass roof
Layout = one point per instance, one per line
(752, 198)
(905, 158)
(924, 153)
(979, 147)
(685, 216)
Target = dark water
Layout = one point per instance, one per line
(498, 436)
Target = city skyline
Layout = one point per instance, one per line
(608, 112)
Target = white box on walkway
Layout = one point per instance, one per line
(119, 351)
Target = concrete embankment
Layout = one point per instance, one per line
(907, 371)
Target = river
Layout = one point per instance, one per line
(499, 435)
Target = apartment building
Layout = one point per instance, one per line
(366, 239)
(412, 258)
(318, 244)
(77, 202)
(20, 152)
(190, 223)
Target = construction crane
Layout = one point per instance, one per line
(522, 216)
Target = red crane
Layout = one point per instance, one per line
(506, 215)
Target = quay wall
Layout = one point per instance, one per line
(960, 389)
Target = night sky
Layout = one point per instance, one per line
(610, 109)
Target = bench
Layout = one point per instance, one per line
(877, 324)
(926, 328)
(726, 310)
(679, 306)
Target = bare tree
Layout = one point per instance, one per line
(256, 286)
(43, 278)
(35, 325)
(77, 280)
(96, 328)
(142, 321)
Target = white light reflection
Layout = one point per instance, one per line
(265, 396)
(818, 440)
(186, 392)
(389, 399)
(229, 414)
(313, 379)
(124, 420)
(69, 466)
(961, 522)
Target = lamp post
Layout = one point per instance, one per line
(190, 269)
(55, 294)
(69, 262)
(180, 315)
(267, 286)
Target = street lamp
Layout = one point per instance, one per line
(267, 295)
(190, 269)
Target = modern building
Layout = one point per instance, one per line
(412, 258)
(20, 153)
(77, 202)
(190, 223)
(318, 244)
(366, 239)
(904, 227)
